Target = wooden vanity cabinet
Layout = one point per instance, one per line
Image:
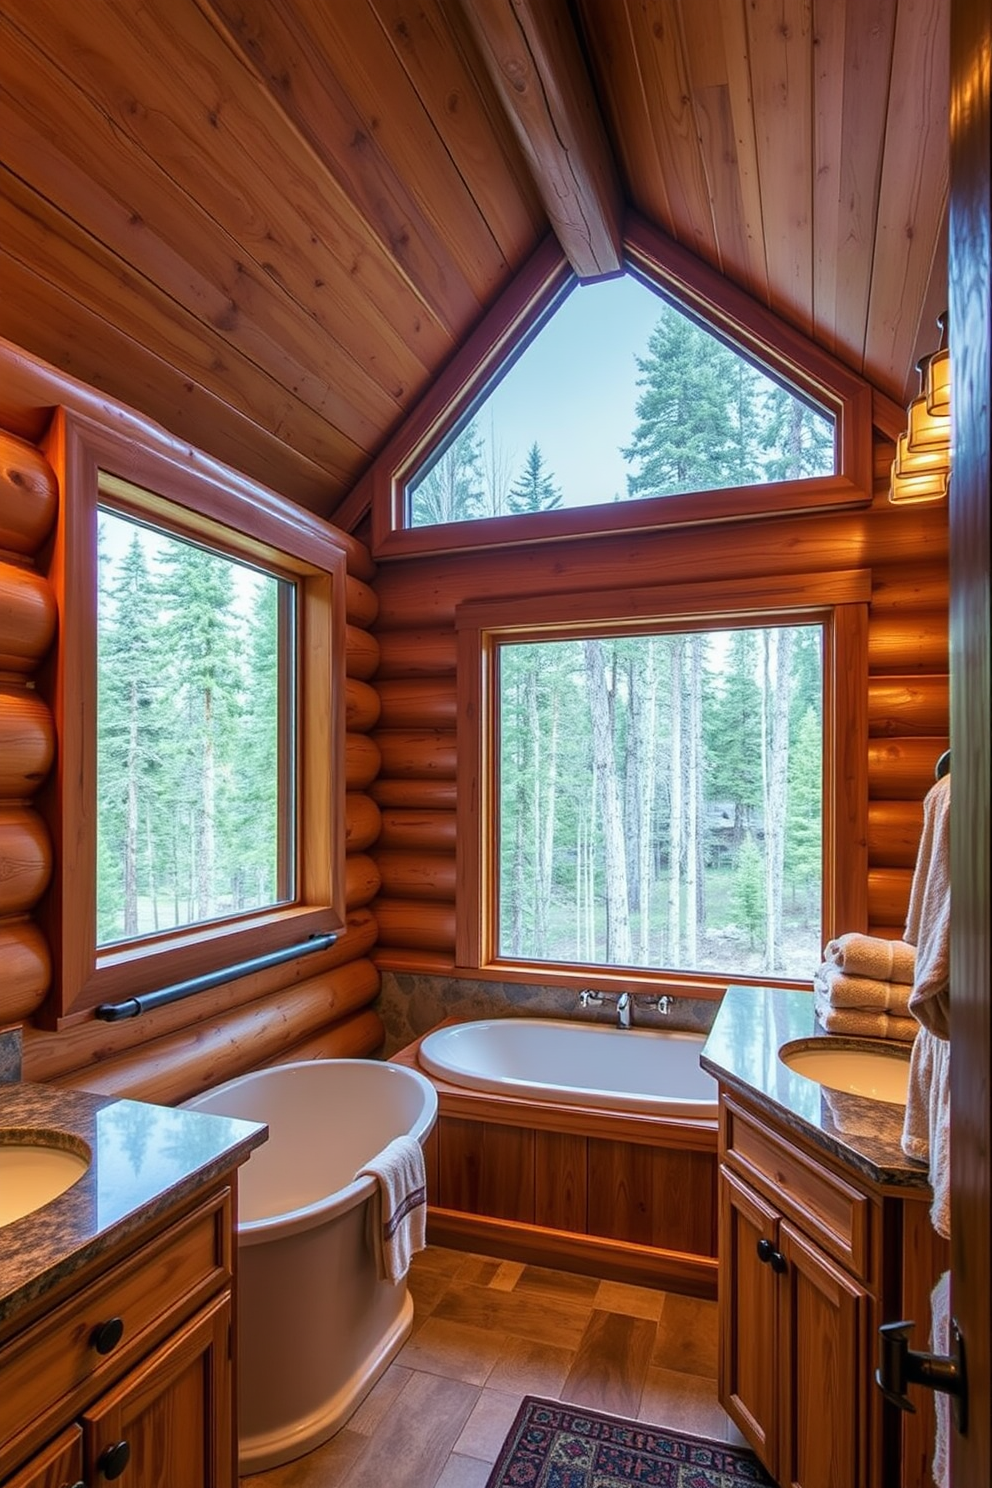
(129, 1377)
(811, 1261)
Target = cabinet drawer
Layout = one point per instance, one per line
(55, 1366)
(831, 1212)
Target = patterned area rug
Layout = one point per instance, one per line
(552, 1445)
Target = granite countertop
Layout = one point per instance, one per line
(145, 1159)
(741, 1052)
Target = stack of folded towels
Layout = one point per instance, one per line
(863, 987)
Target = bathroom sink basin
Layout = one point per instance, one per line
(881, 1074)
(32, 1173)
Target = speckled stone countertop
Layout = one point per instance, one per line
(144, 1159)
(741, 1052)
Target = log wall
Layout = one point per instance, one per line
(318, 1006)
(907, 690)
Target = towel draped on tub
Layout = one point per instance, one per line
(398, 1213)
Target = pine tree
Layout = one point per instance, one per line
(685, 438)
(204, 650)
(451, 489)
(128, 681)
(535, 490)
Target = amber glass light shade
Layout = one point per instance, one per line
(922, 461)
(938, 384)
(927, 430)
(927, 485)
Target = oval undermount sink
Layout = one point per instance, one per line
(33, 1173)
(881, 1074)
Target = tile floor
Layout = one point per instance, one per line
(487, 1332)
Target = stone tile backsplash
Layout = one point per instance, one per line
(411, 1005)
(10, 1055)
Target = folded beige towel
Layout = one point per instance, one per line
(928, 923)
(862, 1022)
(871, 956)
(843, 991)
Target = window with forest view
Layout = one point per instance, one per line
(619, 396)
(660, 800)
(194, 736)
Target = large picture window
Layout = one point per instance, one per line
(198, 682)
(660, 800)
(661, 797)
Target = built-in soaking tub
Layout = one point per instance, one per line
(575, 1145)
(316, 1325)
(582, 1064)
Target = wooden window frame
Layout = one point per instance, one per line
(838, 600)
(190, 496)
(518, 316)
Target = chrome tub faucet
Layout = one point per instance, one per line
(624, 1008)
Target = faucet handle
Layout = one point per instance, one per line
(590, 998)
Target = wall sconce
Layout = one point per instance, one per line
(921, 470)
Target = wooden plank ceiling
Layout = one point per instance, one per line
(268, 224)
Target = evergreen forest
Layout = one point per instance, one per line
(189, 778)
(660, 801)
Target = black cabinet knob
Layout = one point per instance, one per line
(777, 1262)
(765, 1250)
(80, 1484)
(113, 1460)
(106, 1336)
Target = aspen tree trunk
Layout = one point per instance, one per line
(693, 791)
(618, 950)
(676, 818)
(131, 821)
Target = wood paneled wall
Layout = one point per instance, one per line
(318, 1006)
(907, 703)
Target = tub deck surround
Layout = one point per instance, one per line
(145, 1160)
(620, 1194)
(741, 1053)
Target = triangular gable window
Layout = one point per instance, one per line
(662, 397)
(620, 396)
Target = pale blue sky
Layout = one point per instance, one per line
(586, 354)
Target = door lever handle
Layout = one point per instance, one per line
(899, 1366)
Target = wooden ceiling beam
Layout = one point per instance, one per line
(532, 53)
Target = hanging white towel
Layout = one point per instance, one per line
(927, 1123)
(399, 1211)
(940, 1343)
(928, 923)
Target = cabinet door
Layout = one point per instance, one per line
(748, 1368)
(55, 1466)
(170, 1421)
(823, 1319)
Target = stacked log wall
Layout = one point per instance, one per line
(907, 686)
(321, 1005)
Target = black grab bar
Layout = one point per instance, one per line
(113, 1012)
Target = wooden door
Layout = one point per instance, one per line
(823, 1352)
(170, 1421)
(749, 1365)
(970, 303)
(55, 1466)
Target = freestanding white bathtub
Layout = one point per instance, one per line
(316, 1326)
(646, 1070)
